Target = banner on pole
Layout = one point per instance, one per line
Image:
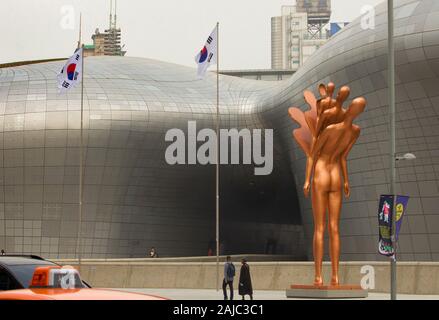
(385, 214)
(385, 211)
(401, 205)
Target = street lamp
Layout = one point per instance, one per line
(392, 107)
(392, 156)
(407, 156)
(393, 289)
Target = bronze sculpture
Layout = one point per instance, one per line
(326, 135)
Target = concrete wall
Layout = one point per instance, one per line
(413, 277)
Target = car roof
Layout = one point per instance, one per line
(21, 260)
(74, 294)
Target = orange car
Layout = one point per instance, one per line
(53, 282)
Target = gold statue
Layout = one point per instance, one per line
(326, 135)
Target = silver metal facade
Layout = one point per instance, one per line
(134, 200)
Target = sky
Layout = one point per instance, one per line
(168, 30)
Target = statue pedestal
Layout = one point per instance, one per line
(326, 292)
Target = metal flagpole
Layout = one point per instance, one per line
(392, 109)
(78, 239)
(217, 159)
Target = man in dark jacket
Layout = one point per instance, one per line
(245, 281)
(229, 274)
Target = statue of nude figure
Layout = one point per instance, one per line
(327, 159)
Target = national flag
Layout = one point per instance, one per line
(208, 54)
(71, 73)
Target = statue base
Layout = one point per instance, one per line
(327, 292)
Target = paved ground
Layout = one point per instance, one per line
(202, 294)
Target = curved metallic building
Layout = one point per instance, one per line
(135, 200)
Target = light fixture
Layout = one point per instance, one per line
(407, 156)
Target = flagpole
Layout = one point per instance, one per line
(80, 30)
(81, 143)
(217, 160)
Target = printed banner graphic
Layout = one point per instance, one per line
(385, 211)
(401, 207)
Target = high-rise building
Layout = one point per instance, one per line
(299, 32)
(108, 43)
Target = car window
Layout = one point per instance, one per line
(24, 273)
(6, 282)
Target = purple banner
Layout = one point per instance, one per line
(385, 213)
(385, 210)
(401, 205)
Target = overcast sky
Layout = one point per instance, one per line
(167, 30)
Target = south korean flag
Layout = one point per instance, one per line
(71, 73)
(207, 55)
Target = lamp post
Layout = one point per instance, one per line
(393, 291)
(391, 88)
(393, 156)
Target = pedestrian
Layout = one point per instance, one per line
(229, 275)
(153, 253)
(3, 253)
(245, 281)
(211, 248)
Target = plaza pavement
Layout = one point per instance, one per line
(203, 294)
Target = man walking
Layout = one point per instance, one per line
(229, 274)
